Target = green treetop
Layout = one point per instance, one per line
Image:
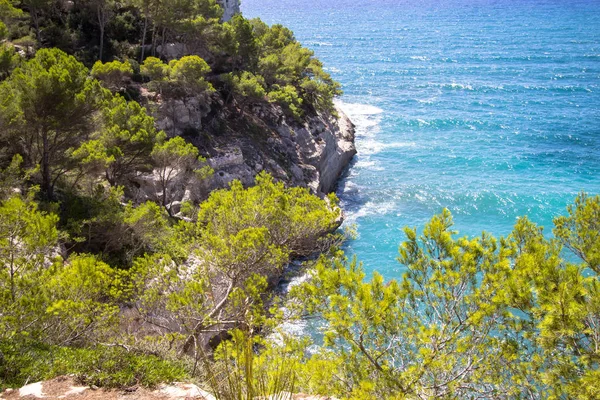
(47, 107)
(479, 317)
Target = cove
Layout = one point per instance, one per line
(488, 108)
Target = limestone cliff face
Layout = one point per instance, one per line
(310, 154)
(230, 7)
(240, 143)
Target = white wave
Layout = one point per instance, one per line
(333, 70)
(460, 86)
(370, 147)
(371, 208)
(294, 327)
(364, 123)
(316, 43)
(430, 100)
(366, 163)
(353, 109)
(350, 186)
(366, 118)
(297, 280)
(420, 58)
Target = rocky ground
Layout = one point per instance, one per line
(66, 387)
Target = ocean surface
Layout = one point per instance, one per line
(490, 108)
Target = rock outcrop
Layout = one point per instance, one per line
(312, 153)
(230, 8)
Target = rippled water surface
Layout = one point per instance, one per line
(489, 108)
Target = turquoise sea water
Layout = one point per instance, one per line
(490, 108)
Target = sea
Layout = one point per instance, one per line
(490, 108)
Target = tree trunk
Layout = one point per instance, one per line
(46, 179)
(101, 42)
(102, 24)
(154, 38)
(200, 326)
(144, 35)
(13, 291)
(36, 23)
(164, 201)
(164, 33)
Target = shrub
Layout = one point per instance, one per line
(104, 366)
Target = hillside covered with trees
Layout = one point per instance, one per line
(123, 286)
(99, 277)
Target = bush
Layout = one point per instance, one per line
(101, 366)
(288, 98)
(112, 74)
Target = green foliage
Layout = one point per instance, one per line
(471, 317)
(287, 67)
(288, 98)
(51, 300)
(83, 145)
(47, 109)
(129, 135)
(27, 240)
(189, 69)
(101, 366)
(92, 160)
(240, 373)
(8, 10)
(90, 218)
(11, 178)
(248, 86)
(9, 59)
(112, 74)
(241, 239)
(178, 79)
(9, 15)
(187, 75)
(154, 69)
(3, 31)
(170, 294)
(176, 161)
(560, 300)
(149, 230)
(274, 38)
(294, 218)
(318, 87)
(99, 223)
(580, 230)
(82, 296)
(245, 49)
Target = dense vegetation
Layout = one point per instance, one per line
(97, 276)
(515, 317)
(472, 318)
(196, 277)
(122, 289)
(246, 61)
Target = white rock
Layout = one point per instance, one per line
(33, 389)
(184, 390)
(74, 390)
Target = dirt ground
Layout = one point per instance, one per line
(66, 388)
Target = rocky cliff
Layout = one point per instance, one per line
(230, 7)
(311, 154)
(239, 144)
